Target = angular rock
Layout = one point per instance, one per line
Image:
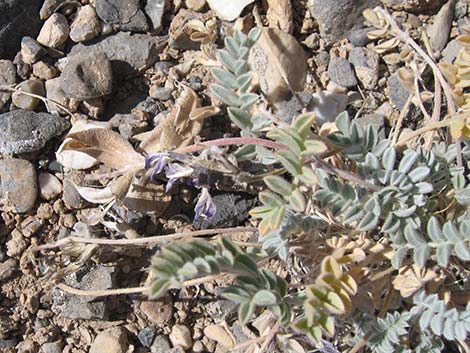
(337, 18)
(55, 92)
(341, 72)
(397, 91)
(49, 186)
(55, 31)
(53, 347)
(18, 19)
(24, 131)
(154, 10)
(232, 210)
(31, 50)
(24, 101)
(439, 31)
(451, 51)
(113, 340)
(85, 307)
(87, 76)
(415, 6)
(158, 312)
(44, 71)
(146, 336)
(7, 77)
(18, 184)
(7, 268)
(122, 14)
(128, 53)
(366, 66)
(86, 25)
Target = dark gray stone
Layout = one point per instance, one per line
(7, 77)
(287, 110)
(122, 14)
(341, 72)
(232, 210)
(48, 8)
(359, 38)
(128, 53)
(24, 131)
(8, 343)
(19, 18)
(31, 50)
(366, 66)
(87, 76)
(18, 184)
(161, 344)
(337, 18)
(397, 91)
(154, 10)
(85, 307)
(146, 336)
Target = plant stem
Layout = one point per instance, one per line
(141, 241)
(231, 141)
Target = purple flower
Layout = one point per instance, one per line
(158, 161)
(327, 348)
(205, 207)
(176, 171)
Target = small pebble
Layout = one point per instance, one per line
(55, 31)
(220, 335)
(31, 50)
(195, 5)
(113, 340)
(44, 71)
(27, 102)
(146, 336)
(181, 336)
(341, 72)
(160, 93)
(49, 186)
(86, 25)
(160, 345)
(158, 312)
(7, 77)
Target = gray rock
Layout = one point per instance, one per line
(440, 29)
(19, 18)
(154, 10)
(366, 66)
(7, 268)
(86, 25)
(8, 343)
(27, 102)
(128, 53)
(451, 51)
(341, 72)
(289, 109)
(31, 50)
(146, 336)
(55, 31)
(160, 93)
(55, 92)
(87, 76)
(122, 14)
(461, 8)
(24, 131)
(48, 8)
(85, 307)
(232, 210)
(337, 18)
(53, 347)
(160, 344)
(397, 91)
(359, 38)
(7, 77)
(18, 184)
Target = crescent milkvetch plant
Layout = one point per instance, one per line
(373, 236)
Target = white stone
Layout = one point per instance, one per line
(55, 31)
(181, 336)
(49, 186)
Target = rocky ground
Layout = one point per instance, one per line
(122, 64)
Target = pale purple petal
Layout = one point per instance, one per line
(159, 160)
(205, 207)
(178, 171)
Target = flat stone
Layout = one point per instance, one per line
(113, 340)
(341, 72)
(25, 101)
(220, 335)
(128, 53)
(18, 184)
(154, 10)
(7, 77)
(24, 131)
(19, 18)
(451, 51)
(158, 312)
(337, 18)
(31, 50)
(55, 31)
(146, 336)
(53, 347)
(87, 76)
(397, 91)
(86, 25)
(122, 14)
(232, 210)
(439, 31)
(44, 71)
(85, 307)
(366, 66)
